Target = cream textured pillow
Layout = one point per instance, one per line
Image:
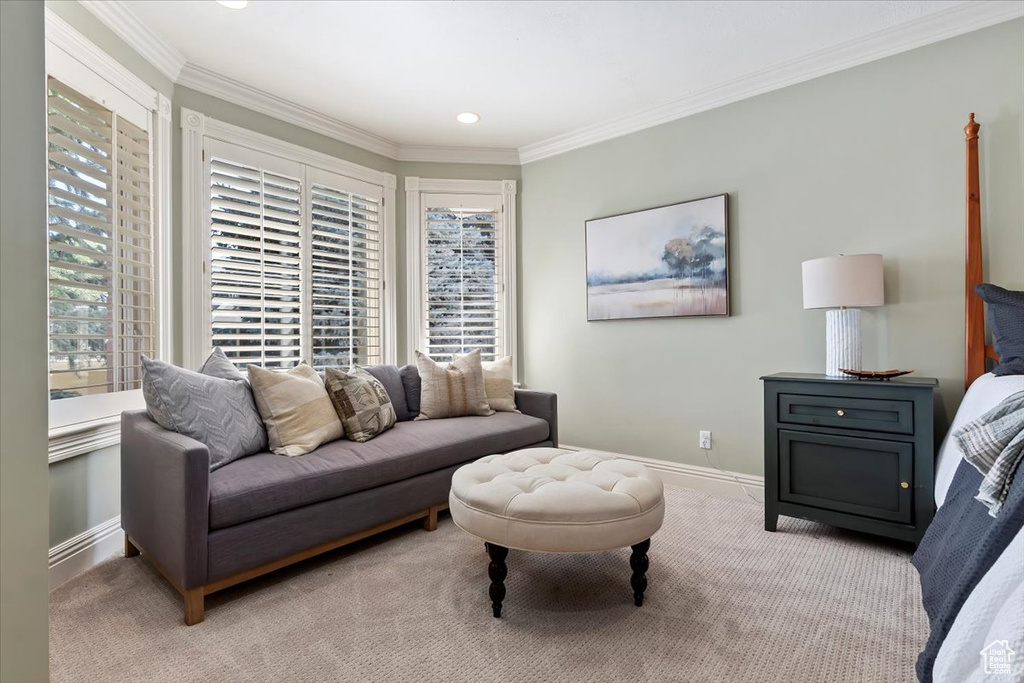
(361, 402)
(498, 384)
(295, 408)
(452, 391)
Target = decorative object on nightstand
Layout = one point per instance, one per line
(875, 375)
(844, 285)
(858, 455)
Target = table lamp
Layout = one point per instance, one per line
(844, 285)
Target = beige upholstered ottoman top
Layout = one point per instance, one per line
(557, 500)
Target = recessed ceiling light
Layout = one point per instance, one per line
(468, 117)
(234, 4)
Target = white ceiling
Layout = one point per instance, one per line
(534, 71)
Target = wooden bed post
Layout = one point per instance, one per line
(975, 309)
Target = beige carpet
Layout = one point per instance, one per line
(727, 601)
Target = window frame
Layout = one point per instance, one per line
(83, 424)
(197, 130)
(415, 189)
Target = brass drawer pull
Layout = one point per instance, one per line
(840, 412)
(904, 485)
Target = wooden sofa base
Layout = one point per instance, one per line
(194, 597)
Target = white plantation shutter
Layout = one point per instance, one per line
(345, 265)
(294, 262)
(464, 291)
(255, 264)
(100, 236)
(135, 290)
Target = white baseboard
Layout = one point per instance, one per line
(84, 551)
(721, 482)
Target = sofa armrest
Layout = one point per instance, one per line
(165, 497)
(542, 404)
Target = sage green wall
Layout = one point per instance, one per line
(866, 160)
(85, 491)
(24, 650)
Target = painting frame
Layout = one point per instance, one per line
(721, 307)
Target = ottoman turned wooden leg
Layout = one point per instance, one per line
(497, 571)
(639, 563)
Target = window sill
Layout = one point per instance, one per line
(84, 437)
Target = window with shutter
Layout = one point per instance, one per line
(345, 277)
(294, 262)
(464, 279)
(102, 294)
(255, 264)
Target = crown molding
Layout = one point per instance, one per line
(217, 85)
(119, 18)
(956, 20)
(933, 28)
(236, 92)
(122, 21)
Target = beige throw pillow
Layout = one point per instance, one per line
(295, 408)
(361, 402)
(498, 384)
(454, 390)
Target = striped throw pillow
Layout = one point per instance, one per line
(454, 390)
(499, 385)
(295, 408)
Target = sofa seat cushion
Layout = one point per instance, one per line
(265, 484)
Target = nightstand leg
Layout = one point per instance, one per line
(771, 519)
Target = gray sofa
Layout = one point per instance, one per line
(206, 531)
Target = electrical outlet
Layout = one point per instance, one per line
(705, 439)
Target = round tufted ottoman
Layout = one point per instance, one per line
(558, 501)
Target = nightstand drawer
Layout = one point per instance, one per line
(868, 477)
(875, 415)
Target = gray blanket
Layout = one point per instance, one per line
(994, 444)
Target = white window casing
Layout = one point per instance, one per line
(109, 225)
(288, 253)
(461, 263)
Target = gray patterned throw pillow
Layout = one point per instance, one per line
(361, 402)
(217, 412)
(218, 365)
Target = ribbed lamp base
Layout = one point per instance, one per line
(842, 340)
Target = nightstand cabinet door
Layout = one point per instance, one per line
(867, 477)
(853, 454)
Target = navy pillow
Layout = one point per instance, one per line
(392, 381)
(1006, 318)
(412, 383)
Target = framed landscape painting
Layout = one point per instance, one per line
(671, 261)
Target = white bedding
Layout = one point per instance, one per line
(993, 611)
(984, 394)
(995, 608)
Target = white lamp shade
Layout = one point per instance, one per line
(835, 281)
